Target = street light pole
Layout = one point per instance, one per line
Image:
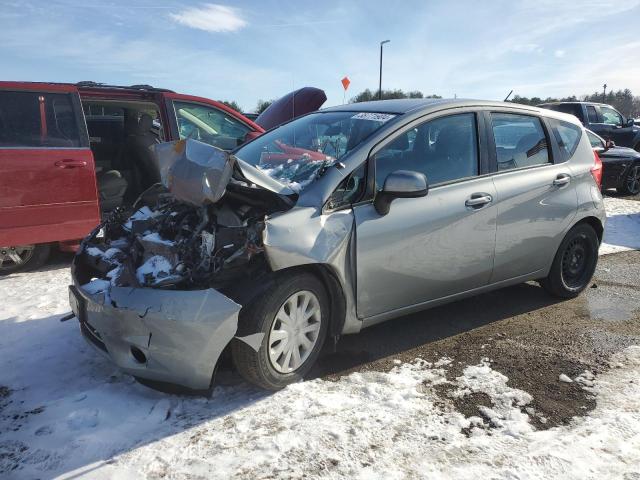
(380, 82)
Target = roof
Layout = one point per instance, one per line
(406, 105)
(574, 103)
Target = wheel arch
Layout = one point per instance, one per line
(329, 278)
(595, 223)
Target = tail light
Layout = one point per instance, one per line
(596, 170)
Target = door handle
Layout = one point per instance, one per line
(562, 179)
(478, 200)
(70, 163)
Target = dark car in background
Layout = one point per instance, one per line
(602, 119)
(621, 165)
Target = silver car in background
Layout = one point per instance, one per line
(331, 223)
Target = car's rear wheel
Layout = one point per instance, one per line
(574, 263)
(22, 257)
(293, 315)
(631, 185)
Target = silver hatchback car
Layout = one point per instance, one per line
(331, 223)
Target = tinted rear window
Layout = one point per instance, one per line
(592, 114)
(572, 109)
(32, 119)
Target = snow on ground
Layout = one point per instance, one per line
(69, 413)
(622, 231)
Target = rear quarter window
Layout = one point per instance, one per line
(33, 119)
(567, 136)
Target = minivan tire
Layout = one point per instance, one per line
(574, 263)
(263, 315)
(39, 256)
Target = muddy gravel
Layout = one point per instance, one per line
(529, 336)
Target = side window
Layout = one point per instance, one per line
(594, 140)
(444, 149)
(350, 189)
(592, 114)
(32, 119)
(610, 116)
(567, 135)
(520, 141)
(209, 125)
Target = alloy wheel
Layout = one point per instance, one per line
(13, 257)
(294, 331)
(633, 180)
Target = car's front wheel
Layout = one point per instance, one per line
(293, 317)
(631, 185)
(22, 257)
(574, 263)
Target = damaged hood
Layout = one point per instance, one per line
(198, 173)
(292, 105)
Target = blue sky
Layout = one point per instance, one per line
(247, 50)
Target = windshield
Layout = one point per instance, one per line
(296, 153)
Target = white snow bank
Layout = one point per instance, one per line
(75, 414)
(622, 230)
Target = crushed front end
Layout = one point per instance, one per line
(159, 290)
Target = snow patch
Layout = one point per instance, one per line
(622, 228)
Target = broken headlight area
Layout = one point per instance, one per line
(175, 245)
(204, 229)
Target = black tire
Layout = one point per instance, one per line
(35, 259)
(631, 182)
(259, 316)
(574, 263)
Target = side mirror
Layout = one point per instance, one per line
(610, 144)
(400, 184)
(630, 122)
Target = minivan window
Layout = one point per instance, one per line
(209, 125)
(32, 119)
(567, 135)
(520, 141)
(610, 116)
(444, 149)
(592, 114)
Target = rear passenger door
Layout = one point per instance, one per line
(47, 175)
(535, 199)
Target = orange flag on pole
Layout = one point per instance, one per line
(345, 82)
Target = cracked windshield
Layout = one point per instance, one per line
(299, 152)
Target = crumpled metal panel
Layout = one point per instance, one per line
(194, 172)
(182, 333)
(303, 236)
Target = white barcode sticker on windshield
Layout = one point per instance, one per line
(375, 117)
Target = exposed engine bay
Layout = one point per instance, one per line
(201, 229)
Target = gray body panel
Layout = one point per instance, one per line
(533, 215)
(424, 248)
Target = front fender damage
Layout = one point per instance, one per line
(304, 237)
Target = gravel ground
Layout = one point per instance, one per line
(529, 336)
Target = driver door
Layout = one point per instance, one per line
(435, 246)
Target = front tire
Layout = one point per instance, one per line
(19, 258)
(631, 183)
(574, 263)
(293, 315)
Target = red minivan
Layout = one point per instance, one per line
(69, 153)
